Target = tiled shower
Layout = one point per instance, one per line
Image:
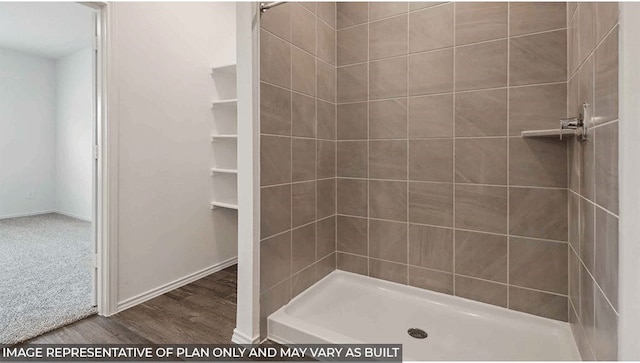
(391, 147)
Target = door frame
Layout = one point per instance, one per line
(105, 169)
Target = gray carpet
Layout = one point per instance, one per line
(45, 274)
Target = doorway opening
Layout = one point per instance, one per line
(48, 167)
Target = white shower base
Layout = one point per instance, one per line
(346, 308)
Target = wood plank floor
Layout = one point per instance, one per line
(202, 312)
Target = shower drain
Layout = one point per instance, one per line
(417, 333)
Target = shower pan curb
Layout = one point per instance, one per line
(347, 308)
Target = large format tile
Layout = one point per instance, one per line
(606, 16)
(532, 17)
(481, 161)
(326, 43)
(481, 208)
(303, 280)
(382, 9)
(326, 237)
(480, 290)
(275, 260)
(547, 220)
(481, 255)
(431, 203)
(481, 66)
(606, 167)
(352, 235)
(326, 81)
(275, 110)
(353, 45)
(606, 80)
(326, 11)
(326, 198)
(275, 60)
(431, 28)
(605, 337)
(538, 264)
(303, 115)
(388, 240)
(538, 58)
(326, 120)
(481, 113)
(326, 159)
(352, 121)
(303, 203)
(353, 83)
(388, 159)
(538, 162)
(431, 247)
(275, 210)
(303, 72)
(536, 107)
(388, 200)
(431, 116)
(606, 254)
(352, 159)
(431, 72)
(388, 78)
(388, 119)
(303, 247)
(587, 234)
(388, 37)
(272, 300)
(480, 21)
(431, 160)
(431, 280)
(275, 160)
(303, 159)
(389, 271)
(304, 23)
(538, 303)
(278, 21)
(353, 263)
(351, 13)
(353, 197)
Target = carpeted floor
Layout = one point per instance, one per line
(45, 274)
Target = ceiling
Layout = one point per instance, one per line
(51, 30)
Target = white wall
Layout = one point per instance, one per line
(160, 63)
(27, 134)
(74, 128)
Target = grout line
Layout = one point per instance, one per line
(368, 147)
(407, 240)
(455, 89)
(508, 151)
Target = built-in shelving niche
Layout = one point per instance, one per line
(224, 145)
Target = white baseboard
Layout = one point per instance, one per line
(73, 215)
(240, 338)
(27, 214)
(138, 299)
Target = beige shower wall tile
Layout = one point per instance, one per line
(272, 300)
(326, 237)
(431, 280)
(326, 81)
(431, 116)
(352, 159)
(538, 162)
(481, 255)
(605, 337)
(480, 290)
(606, 254)
(574, 280)
(388, 78)
(431, 247)
(303, 280)
(587, 235)
(352, 235)
(352, 121)
(275, 60)
(586, 30)
(353, 45)
(303, 159)
(606, 167)
(326, 159)
(303, 247)
(480, 21)
(388, 159)
(275, 110)
(278, 21)
(431, 160)
(353, 197)
(481, 208)
(304, 23)
(388, 240)
(388, 119)
(275, 260)
(389, 271)
(547, 220)
(431, 28)
(326, 266)
(538, 303)
(326, 11)
(382, 9)
(606, 16)
(353, 83)
(353, 263)
(536, 107)
(481, 66)
(431, 203)
(303, 115)
(303, 72)
(538, 58)
(275, 210)
(481, 161)
(303, 203)
(388, 37)
(275, 160)
(326, 198)
(532, 17)
(606, 80)
(326, 120)
(481, 113)
(326, 42)
(388, 200)
(431, 72)
(351, 13)
(538, 264)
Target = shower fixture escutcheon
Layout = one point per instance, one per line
(579, 123)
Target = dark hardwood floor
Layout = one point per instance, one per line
(202, 312)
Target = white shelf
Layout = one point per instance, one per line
(215, 205)
(223, 137)
(227, 68)
(230, 102)
(223, 171)
(547, 133)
